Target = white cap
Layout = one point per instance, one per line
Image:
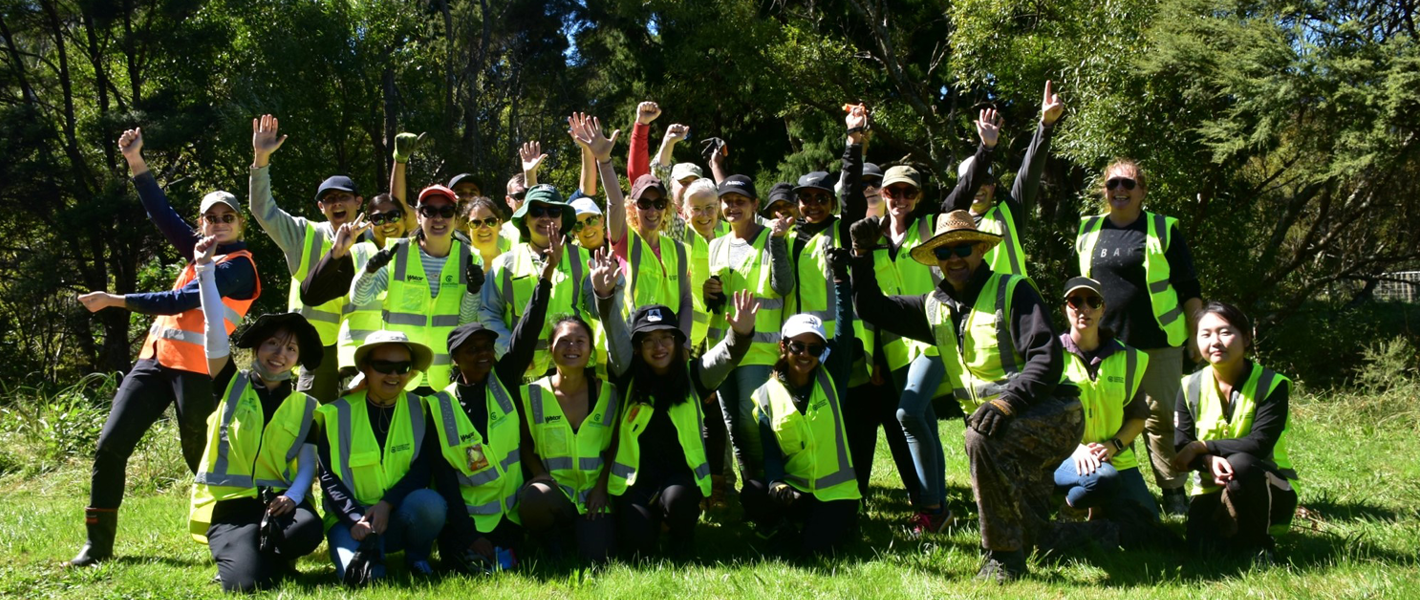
(965, 167)
(585, 206)
(801, 324)
(221, 197)
(683, 170)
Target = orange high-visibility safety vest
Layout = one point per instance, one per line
(177, 340)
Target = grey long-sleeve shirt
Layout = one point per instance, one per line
(707, 372)
(288, 231)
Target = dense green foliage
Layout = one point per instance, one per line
(1283, 134)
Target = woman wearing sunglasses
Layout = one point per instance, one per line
(590, 229)
(1102, 475)
(916, 369)
(430, 282)
(171, 368)
(1151, 293)
(661, 471)
(806, 497)
(249, 502)
(484, 226)
(375, 460)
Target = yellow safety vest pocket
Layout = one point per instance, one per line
(555, 442)
(365, 469)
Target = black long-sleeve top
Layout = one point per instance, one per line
(853, 203)
(1268, 420)
(340, 498)
(963, 191)
(1026, 186)
(839, 366)
(330, 278)
(1030, 325)
(472, 398)
(1118, 264)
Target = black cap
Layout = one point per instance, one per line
(464, 178)
(817, 180)
(311, 349)
(872, 171)
(739, 184)
(1076, 283)
(654, 317)
(782, 190)
(336, 182)
(464, 332)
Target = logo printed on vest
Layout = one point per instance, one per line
(1116, 379)
(413, 278)
(553, 418)
(399, 448)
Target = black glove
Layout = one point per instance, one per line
(361, 570)
(379, 260)
(475, 278)
(989, 418)
(269, 534)
(713, 302)
(865, 233)
(838, 261)
(710, 147)
(783, 493)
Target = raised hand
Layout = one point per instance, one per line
(603, 266)
(474, 277)
(379, 260)
(857, 116)
(264, 139)
(131, 144)
(647, 112)
(677, 133)
(839, 260)
(552, 256)
(780, 227)
(97, 301)
(746, 307)
(405, 145)
(715, 150)
(988, 127)
(531, 156)
(587, 131)
(347, 234)
(203, 250)
(865, 234)
(1050, 106)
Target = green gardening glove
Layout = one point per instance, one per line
(405, 145)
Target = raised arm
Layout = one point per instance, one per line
(639, 154)
(405, 145)
(587, 131)
(988, 128)
(1027, 184)
(609, 302)
(711, 369)
(665, 157)
(855, 204)
(528, 330)
(287, 231)
(178, 231)
(530, 156)
(331, 277)
(781, 269)
(214, 331)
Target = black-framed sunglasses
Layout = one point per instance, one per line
(393, 216)
(1079, 302)
(589, 222)
(657, 204)
(1115, 183)
(797, 347)
(538, 211)
(905, 192)
(390, 367)
(945, 252)
(518, 195)
(228, 219)
(490, 222)
(443, 211)
(812, 198)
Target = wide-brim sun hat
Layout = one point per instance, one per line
(545, 194)
(419, 354)
(312, 352)
(953, 229)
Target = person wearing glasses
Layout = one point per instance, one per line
(1151, 294)
(484, 228)
(805, 499)
(171, 368)
(516, 191)
(589, 231)
(916, 368)
(1006, 372)
(375, 457)
(431, 284)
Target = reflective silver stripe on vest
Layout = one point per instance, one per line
(343, 409)
(500, 394)
(622, 470)
(702, 471)
(561, 463)
(687, 316)
(440, 360)
(1193, 391)
(401, 259)
(714, 333)
(1170, 316)
(1159, 287)
(770, 303)
(768, 337)
(446, 414)
(513, 458)
(589, 463)
(845, 470)
(486, 477)
(487, 508)
(219, 474)
(416, 420)
(535, 400)
(310, 313)
(1004, 344)
(444, 321)
(577, 266)
(409, 319)
(175, 335)
(1161, 227)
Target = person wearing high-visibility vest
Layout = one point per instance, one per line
(570, 421)
(1102, 474)
(916, 369)
(477, 425)
(348, 255)
(1008, 215)
(660, 472)
(430, 281)
(1151, 294)
(249, 498)
(590, 229)
(756, 258)
(484, 225)
(1004, 366)
(375, 457)
(171, 368)
(808, 489)
(1232, 435)
(781, 204)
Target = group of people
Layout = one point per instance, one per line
(586, 377)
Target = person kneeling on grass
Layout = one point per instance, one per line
(808, 480)
(1231, 432)
(374, 458)
(249, 502)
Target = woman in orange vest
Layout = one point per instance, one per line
(172, 367)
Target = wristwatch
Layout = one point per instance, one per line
(1118, 445)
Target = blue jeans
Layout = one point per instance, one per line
(737, 404)
(917, 382)
(1106, 488)
(413, 527)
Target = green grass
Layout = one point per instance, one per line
(1362, 490)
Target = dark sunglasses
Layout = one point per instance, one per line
(657, 204)
(945, 252)
(797, 347)
(590, 222)
(445, 211)
(1115, 183)
(905, 192)
(518, 195)
(538, 211)
(393, 216)
(228, 218)
(479, 223)
(1078, 302)
(389, 367)
(819, 198)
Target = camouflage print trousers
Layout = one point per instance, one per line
(1012, 472)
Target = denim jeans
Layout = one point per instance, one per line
(737, 404)
(1106, 488)
(917, 382)
(413, 527)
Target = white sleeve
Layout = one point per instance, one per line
(215, 331)
(305, 474)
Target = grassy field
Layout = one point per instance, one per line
(1358, 539)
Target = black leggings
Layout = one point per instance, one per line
(715, 435)
(673, 499)
(821, 526)
(1259, 505)
(872, 406)
(145, 393)
(547, 513)
(234, 539)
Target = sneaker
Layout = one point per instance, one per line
(1070, 514)
(931, 522)
(1003, 567)
(719, 496)
(420, 567)
(1175, 502)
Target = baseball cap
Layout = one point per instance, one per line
(872, 171)
(646, 182)
(465, 332)
(817, 180)
(437, 190)
(801, 324)
(464, 178)
(782, 190)
(902, 174)
(654, 317)
(739, 184)
(219, 197)
(336, 182)
(585, 206)
(1076, 283)
(684, 170)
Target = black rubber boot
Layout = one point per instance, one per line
(102, 524)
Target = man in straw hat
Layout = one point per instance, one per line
(1004, 375)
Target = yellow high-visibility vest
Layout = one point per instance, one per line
(686, 417)
(410, 308)
(1162, 296)
(1200, 392)
(753, 274)
(1008, 256)
(982, 358)
(572, 458)
(816, 458)
(653, 281)
(356, 457)
(1105, 395)
(324, 317)
(489, 470)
